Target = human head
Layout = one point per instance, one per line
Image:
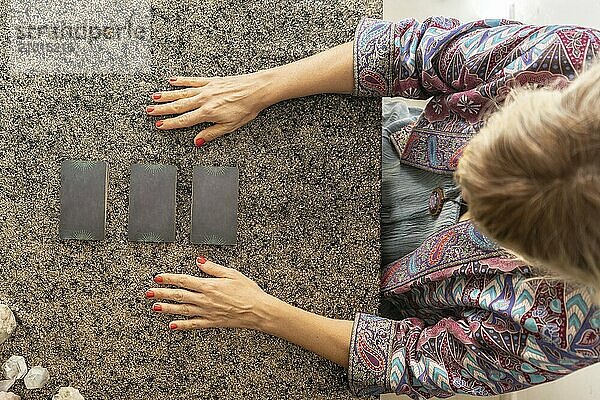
(531, 177)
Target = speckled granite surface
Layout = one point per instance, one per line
(308, 212)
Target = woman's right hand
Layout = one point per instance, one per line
(229, 102)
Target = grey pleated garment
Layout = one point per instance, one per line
(405, 191)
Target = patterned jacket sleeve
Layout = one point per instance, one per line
(389, 57)
(419, 60)
(514, 339)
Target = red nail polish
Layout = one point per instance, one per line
(172, 79)
(173, 325)
(159, 123)
(149, 293)
(156, 96)
(157, 307)
(149, 109)
(158, 279)
(201, 260)
(199, 142)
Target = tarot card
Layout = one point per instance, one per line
(83, 188)
(214, 205)
(152, 203)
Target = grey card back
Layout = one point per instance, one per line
(214, 205)
(152, 203)
(83, 187)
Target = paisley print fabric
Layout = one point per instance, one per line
(475, 320)
(465, 71)
(469, 317)
(438, 255)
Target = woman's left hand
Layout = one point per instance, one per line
(229, 299)
(232, 300)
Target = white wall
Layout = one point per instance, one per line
(462, 9)
(584, 384)
(577, 12)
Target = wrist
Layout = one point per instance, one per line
(324, 336)
(272, 86)
(271, 314)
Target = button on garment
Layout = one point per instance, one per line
(436, 201)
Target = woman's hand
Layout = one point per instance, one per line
(230, 299)
(230, 102)
(234, 301)
(233, 101)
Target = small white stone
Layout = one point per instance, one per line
(36, 378)
(6, 384)
(7, 323)
(68, 393)
(9, 396)
(15, 367)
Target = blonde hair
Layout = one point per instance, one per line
(531, 177)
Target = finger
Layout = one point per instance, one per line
(215, 269)
(189, 282)
(210, 133)
(189, 310)
(195, 323)
(177, 295)
(195, 81)
(175, 107)
(186, 120)
(170, 95)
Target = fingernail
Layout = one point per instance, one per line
(201, 260)
(172, 79)
(149, 109)
(158, 279)
(149, 293)
(159, 123)
(156, 96)
(199, 142)
(173, 325)
(157, 307)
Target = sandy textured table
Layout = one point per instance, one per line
(308, 212)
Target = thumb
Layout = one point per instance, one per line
(210, 133)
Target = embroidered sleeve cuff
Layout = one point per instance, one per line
(373, 57)
(370, 351)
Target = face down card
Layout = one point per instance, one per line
(152, 203)
(214, 205)
(83, 187)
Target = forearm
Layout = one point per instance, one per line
(327, 337)
(330, 71)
